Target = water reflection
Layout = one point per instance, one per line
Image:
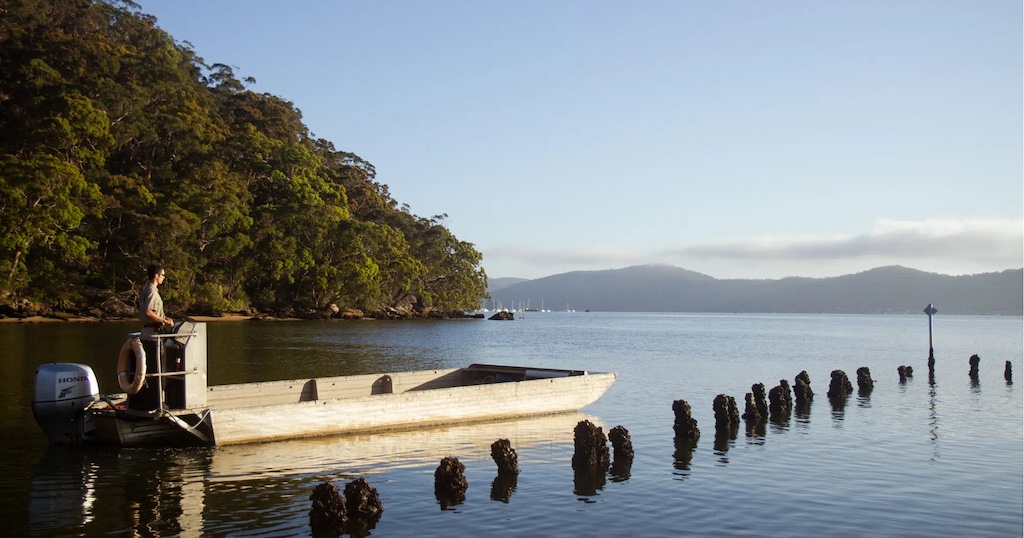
(724, 439)
(449, 501)
(63, 490)
(192, 492)
(864, 400)
(802, 411)
(587, 482)
(838, 404)
(780, 419)
(621, 470)
(92, 491)
(933, 419)
(503, 487)
(682, 456)
(756, 432)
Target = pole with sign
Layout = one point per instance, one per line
(931, 311)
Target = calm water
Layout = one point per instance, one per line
(917, 459)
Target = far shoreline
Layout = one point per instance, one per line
(45, 319)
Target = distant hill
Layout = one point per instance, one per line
(664, 288)
(495, 284)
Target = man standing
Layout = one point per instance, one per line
(151, 306)
(151, 314)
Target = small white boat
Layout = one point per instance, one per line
(68, 407)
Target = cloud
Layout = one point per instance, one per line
(590, 256)
(945, 246)
(994, 241)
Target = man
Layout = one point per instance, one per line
(151, 315)
(151, 306)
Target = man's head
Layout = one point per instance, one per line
(155, 272)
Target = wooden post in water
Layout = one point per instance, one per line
(931, 311)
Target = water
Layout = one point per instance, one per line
(914, 459)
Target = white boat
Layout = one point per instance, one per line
(185, 411)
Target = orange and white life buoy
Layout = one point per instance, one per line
(132, 349)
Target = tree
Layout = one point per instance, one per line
(120, 147)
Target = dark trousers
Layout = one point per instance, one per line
(148, 397)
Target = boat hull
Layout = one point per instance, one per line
(410, 409)
(183, 428)
(270, 411)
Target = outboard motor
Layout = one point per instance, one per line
(62, 393)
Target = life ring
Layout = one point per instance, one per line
(132, 349)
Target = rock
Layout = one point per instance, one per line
(505, 457)
(780, 403)
(590, 460)
(591, 447)
(450, 482)
(351, 313)
(802, 388)
(727, 415)
(802, 391)
(750, 408)
(840, 387)
(760, 399)
(115, 308)
(327, 517)
(864, 382)
(974, 362)
(685, 425)
(450, 477)
(503, 316)
(621, 444)
(362, 501)
(622, 452)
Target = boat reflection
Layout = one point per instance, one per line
(347, 455)
(221, 491)
(86, 491)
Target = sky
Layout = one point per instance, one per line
(740, 139)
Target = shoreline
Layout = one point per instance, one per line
(44, 319)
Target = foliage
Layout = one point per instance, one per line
(120, 147)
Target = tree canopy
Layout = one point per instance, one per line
(120, 147)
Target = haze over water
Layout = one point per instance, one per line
(919, 458)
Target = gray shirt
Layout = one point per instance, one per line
(149, 299)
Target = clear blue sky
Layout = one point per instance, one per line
(741, 139)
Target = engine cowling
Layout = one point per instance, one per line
(62, 393)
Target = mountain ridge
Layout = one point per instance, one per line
(666, 288)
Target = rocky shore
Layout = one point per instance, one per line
(114, 309)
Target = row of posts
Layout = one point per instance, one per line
(779, 400)
(359, 509)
